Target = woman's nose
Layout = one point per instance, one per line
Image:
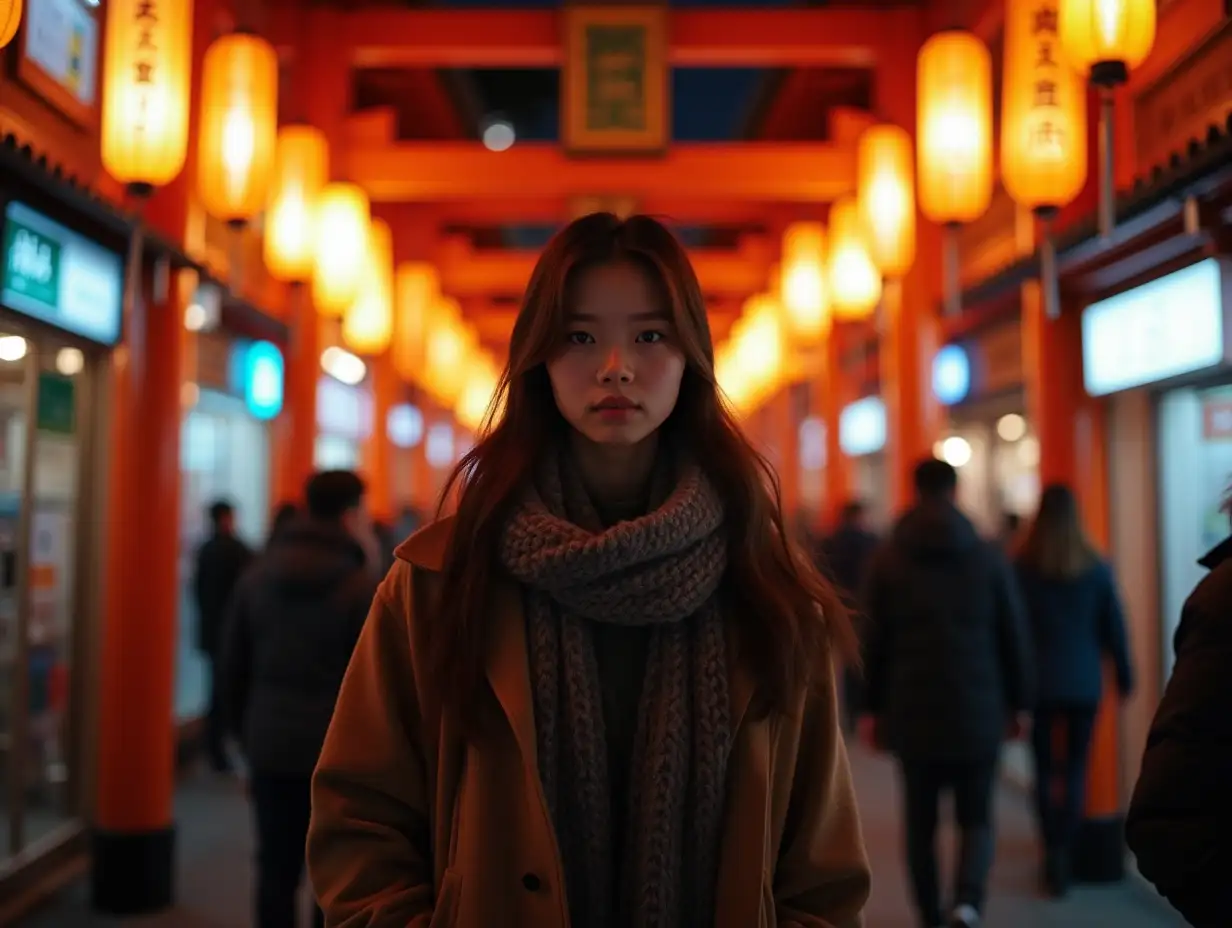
(615, 368)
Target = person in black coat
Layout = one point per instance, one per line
(1179, 823)
(948, 672)
(220, 563)
(844, 557)
(1077, 624)
(293, 624)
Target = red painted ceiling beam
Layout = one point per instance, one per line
(496, 38)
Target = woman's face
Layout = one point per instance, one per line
(617, 374)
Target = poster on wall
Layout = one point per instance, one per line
(60, 59)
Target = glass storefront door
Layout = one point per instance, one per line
(47, 391)
(224, 455)
(1194, 434)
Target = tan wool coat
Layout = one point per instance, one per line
(415, 826)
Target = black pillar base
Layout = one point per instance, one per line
(132, 873)
(1099, 856)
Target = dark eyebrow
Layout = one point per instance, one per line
(636, 317)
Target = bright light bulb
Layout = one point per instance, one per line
(194, 317)
(498, 135)
(70, 361)
(956, 451)
(12, 347)
(1011, 427)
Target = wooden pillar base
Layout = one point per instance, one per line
(132, 873)
(1099, 855)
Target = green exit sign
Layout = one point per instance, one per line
(33, 264)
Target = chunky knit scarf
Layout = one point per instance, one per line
(660, 570)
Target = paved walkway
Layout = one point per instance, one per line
(216, 885)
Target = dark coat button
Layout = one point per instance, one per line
(531, 883)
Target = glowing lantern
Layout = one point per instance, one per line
(368, 324)
(954, 126)
(417, 289)
(239, 126)
(1110, 36)
(447, 349)
(802, 289)
(855, 284)
(760, 346)
(477, 392)
(147, 60)
(886, 198)
(301, 170)
(10, 19)
(1043, 112)
(340, 246)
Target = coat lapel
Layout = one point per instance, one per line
(508, 670)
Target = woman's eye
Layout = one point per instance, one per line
(579, 338)
(651, 337)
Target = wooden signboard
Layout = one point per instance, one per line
(1183, 104)
(60, 57)
(615, 93)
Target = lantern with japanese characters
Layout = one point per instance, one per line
(954, 125)
(301, 168)
(886, 197)
(10, 19)
(239, 126)
(1043, 111)
(147, 63)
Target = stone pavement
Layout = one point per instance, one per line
(216, 883)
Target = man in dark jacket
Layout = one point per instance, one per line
(294, 622)
(221, 560)
(948, 674)
(845, 556)
(1180, 819)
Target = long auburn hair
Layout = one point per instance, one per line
(789, 616)
(1055, 545)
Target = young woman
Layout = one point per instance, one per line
(1075, 614)
(601, 693)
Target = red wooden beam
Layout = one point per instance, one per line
(552, 210)
(759, 172)
(500, 38)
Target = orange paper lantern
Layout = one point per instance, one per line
(301, 168)
(954, 127)
(239, 126)
(886, 197)
(1043, 111)
(147, 59)
(1116, 33)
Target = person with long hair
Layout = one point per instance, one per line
(600, 692)
(1076, 620)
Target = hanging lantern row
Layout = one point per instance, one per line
(1051, 46)
(315, 231)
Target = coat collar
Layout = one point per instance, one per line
(507, 665)
(1217, 555)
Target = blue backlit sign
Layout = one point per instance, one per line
(262, 378)
(951, 375)
(862, 427)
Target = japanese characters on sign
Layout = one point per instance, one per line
(145, 60)
(1046, 137)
